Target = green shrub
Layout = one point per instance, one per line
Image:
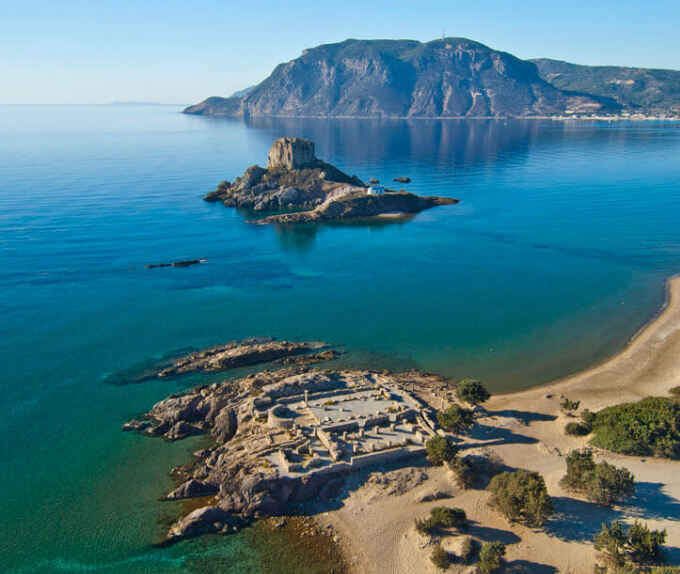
(602, 482)
(468, 547)
(440, 558)
(675, 391)
(455, 419)
(647, 427)
(491, 557)
(464, 469)
(638, 545)
(472, 392)
(568, 405)
(521, 496)
(645, 546)
(441, 517)
(440, 449)
(448, 517)
(577, 429)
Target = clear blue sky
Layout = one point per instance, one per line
(69, 51)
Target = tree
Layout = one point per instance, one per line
(472, 392)
(602, 482)
(440, 449)
(440, 557)
(639, 545)
(645, 545)
(455, 419)
(521, 496)
(491, 557)
(610, 542)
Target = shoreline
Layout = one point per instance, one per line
(525, 429)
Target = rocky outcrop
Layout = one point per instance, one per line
(294, 178)
(204, 520)
(234, 472)
(238, 354)
(451, 77)
(291, 153)
(308, 189)
(363, 206)
(192, 488)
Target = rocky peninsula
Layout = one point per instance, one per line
(349, 446)
(286, 437)
(299, 187)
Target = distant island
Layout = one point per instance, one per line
(299, 188)
(446, 78)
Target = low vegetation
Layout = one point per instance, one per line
(440, 450)
(472, 392)
(601, 482)
(569, 406)
(521, 496)
(647, 427)
(440, 558)
(464, 470)
(577, 429)
(456, 419)
(491, 557)
(675, 391)
(441, 517)
(622, 549)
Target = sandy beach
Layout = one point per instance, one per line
(526, 430)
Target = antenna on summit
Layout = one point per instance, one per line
(443, 34)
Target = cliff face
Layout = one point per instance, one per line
(452, 77)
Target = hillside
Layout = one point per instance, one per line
(639, 89)
(451, 77)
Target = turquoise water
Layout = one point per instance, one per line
(555, 256)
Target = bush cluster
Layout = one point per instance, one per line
(577, 429)
(491, 557)
(440, 449)
(569, 406)
(440, 557)
(465, 471)
(521, 496)
(647, 427)
(638, 545)
(601, 482)
(441, 517)
(456, 419)
(472, 392)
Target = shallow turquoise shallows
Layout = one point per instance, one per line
(555, 256)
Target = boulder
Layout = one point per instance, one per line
(191, 489)
(201, 521)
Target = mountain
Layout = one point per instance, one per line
(451, 77)
(638, 89)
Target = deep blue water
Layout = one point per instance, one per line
(555, 256)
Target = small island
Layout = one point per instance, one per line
(297, 187)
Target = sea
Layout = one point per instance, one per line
(555, 256)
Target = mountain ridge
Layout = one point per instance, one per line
(450, 77)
